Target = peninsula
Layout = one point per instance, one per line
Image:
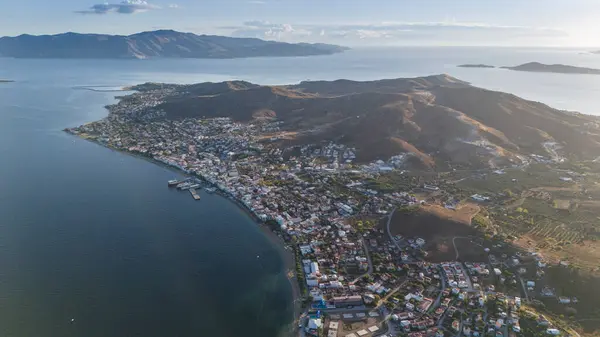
(154, 44)
(553, 68)
(397, 197)
(6, 81)
(475, 66)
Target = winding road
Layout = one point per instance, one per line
(388, 228)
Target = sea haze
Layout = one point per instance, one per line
(94, 235)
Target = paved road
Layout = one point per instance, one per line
(388, 228)
(391, 293)
(454, 244)
(370, 270)
(443, 280)
(460, 327)
(524, 288)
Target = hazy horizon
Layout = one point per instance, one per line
(511, 23)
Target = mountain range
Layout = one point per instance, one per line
(439, 121)
(153, 44)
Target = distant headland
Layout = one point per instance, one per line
(154, 44)
(553, 68)
(475, 66)
(5, 81)
(541, 68)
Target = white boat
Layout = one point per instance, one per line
(184, 186)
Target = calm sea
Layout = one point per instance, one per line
(92, 243)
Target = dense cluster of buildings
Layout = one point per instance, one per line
(313, 194)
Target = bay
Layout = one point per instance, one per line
(94, 235)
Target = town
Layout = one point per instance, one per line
(353, 277)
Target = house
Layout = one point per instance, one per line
(316, 295)
(312, 282)
(455, 325)
(314, 267)
(542, 321)
(346, 301)
(516, 327)
(313, 326)
(479, 197)
(564, 300)
(369, 298)
(425, 305)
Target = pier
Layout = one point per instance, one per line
(194, 194)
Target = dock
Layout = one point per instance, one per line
(194, 194)
(175, 182)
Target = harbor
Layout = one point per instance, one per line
(187, 184)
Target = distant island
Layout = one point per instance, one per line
(475, 66)
(5, 81)
(553, 68)
(154, 44)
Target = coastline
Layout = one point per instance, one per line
(289, 262)
(287, 256)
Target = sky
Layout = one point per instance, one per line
(566, 23)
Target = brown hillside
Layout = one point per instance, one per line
(439, 119)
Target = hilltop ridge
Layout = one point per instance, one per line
(439, 121)
(153, 44)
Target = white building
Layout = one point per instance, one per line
(314, 324)
(314, 267)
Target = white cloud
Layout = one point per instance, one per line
(175, 6)
(462, 33)
(257, 2)
(125, 7)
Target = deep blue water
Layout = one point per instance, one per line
(94, 235)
